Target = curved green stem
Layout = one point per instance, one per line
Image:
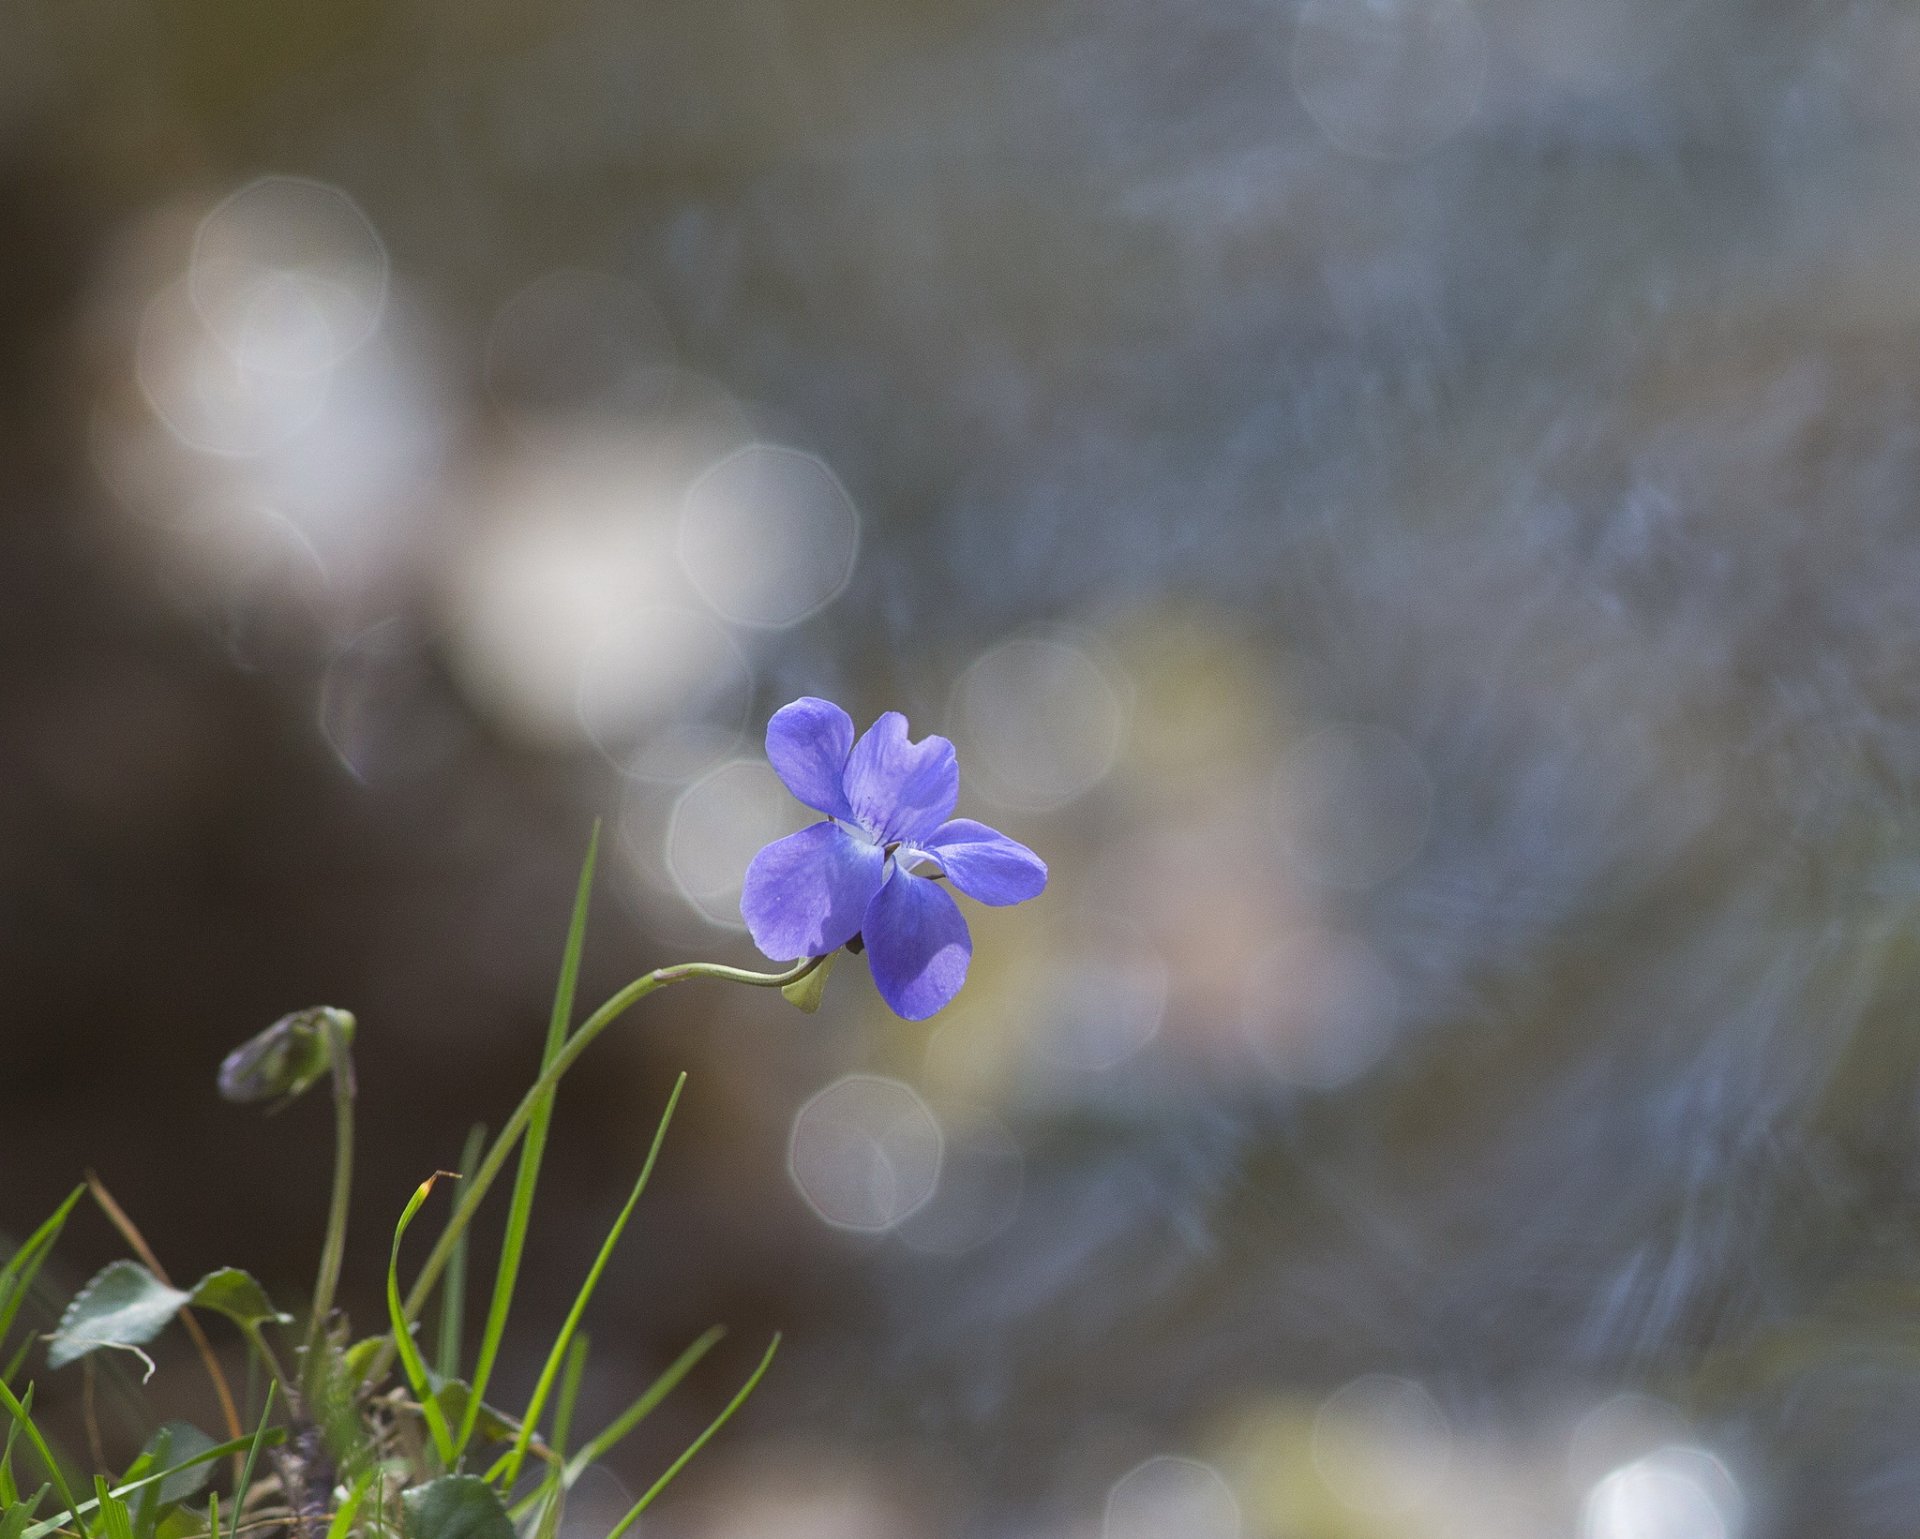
(333, 1251)
(475, 1189)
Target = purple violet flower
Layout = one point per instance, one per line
(864, 871)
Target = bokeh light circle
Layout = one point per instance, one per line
(1672, 1493)
(1169, 1497)
(1320, 1008)
(865, 1153)
(1353, 804)
(718, 824)
(1382, 1444)
(1389, 78)
(289, 274)
(664, 693)
(1040, 722)
(769, 536)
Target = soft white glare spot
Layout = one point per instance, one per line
(718, 825)
(289, 275)
(379, 711)
(664, 693)
(865, 1153)
(575, 341)
(1320, 1008)
(1040, 722)
(1169, 1497)
(1353, 804)
(1106, 995)
(209, 397)
(570, 551)
(769, 536)
(982, 1178)
(1620, 1430)
(1382, 1444)
(1389, 77)
(1672, 1493)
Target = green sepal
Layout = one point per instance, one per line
(806, 993)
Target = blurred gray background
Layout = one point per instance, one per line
(1409, 505)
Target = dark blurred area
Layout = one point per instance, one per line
(1409, 505)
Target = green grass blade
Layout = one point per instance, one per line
(740, 1399)
(25, 1422)
(558, 1355)
(453, 1292)
(253, 1459)
(343, 1516)
(410, 1359)
(569, 1395)
(213, 1515)
(532, 1148)
(115, 1522)
(17, 1276)
(9, 1487)
(641, 1408)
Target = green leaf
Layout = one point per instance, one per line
(174, 1445)
(455, 1395)
(236, 1295)
(124, 1306)
(807, 993)
(356, 1359)
(456, 1507)
(284, 1060)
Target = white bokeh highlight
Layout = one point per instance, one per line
(865, 1153)
(1320, 1008)
(1382, 1445)
(1039, 720)
(718, 824)
(664, 693)
(1169, 1497)
(1353, 805)
(1676, 1492)
(768, 536)
(1389, 78)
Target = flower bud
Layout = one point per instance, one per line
(286, 1058)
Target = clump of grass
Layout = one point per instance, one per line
(339, 1447)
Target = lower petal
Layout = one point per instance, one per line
(807, 894)
(917, 945)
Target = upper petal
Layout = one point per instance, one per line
(901, 790)
(917, 945)
(985, 864)
(808, 893)
(807, 745)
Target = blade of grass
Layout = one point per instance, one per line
(453, 1294)
(569, 1395)
(740, 1399)
(23, 1266)
(416, 1369)
(557, 1356)
(253, 1460)
(114, 1521)
(610, 1010)
(661, 1387)
(213, 1515)
(9, 1487)
(348, 1510)
(25, 1422)
(532, 1149)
